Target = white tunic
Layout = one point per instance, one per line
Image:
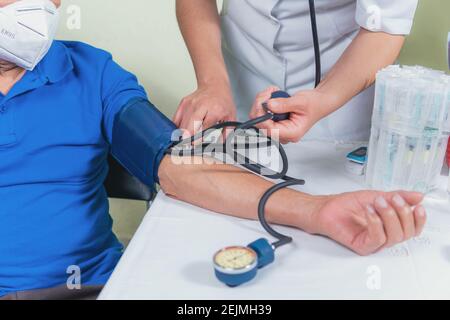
(269, 42)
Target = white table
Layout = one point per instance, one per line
(170, 256)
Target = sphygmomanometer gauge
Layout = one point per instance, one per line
(235, 265)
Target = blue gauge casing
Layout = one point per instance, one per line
(264, 250)
(280, 94)
(266, 255)
(234, 280)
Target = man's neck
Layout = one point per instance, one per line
(7, 67)
(10, 74)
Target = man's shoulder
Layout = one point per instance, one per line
(85, 53)
(91, 65)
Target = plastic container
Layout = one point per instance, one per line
(410, 129)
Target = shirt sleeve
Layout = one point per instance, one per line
(391, 16)
(137, 131)
(118, 88)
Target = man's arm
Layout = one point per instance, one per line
(212, 102)
(230, 190)
(139, 135)
(364, 221)
(355, 71)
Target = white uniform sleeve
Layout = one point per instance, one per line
(390, 16)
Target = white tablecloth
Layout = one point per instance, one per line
(170, 256)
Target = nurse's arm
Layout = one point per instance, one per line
(357, 68)
(355, 71)
(212, 102)
(364, 221)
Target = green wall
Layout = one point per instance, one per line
(427, 44)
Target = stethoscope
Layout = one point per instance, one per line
(239, 264)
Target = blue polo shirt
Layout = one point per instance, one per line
(56, 127)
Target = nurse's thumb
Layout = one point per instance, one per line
(294, 104)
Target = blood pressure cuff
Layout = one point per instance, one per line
(141, 135)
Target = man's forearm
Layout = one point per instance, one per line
(363, 221)
(200, 25)
(356, 69)
(230, 190)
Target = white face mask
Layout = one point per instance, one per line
(27, 30)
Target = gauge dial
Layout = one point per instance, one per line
(235, 259)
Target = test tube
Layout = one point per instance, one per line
(448, 186)
(372, 154)
(437, 162)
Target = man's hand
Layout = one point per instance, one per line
(204, 108)
(369, 221)
(305, 108)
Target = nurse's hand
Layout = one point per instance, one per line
(305, 109)
(369, 221)
(204, 108)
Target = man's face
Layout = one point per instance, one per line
(4, 3)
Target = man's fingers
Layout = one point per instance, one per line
(376, 235)
(391, 222)
(412, 198)
(406, 216)
(420, 218)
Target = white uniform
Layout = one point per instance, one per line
(269, 42)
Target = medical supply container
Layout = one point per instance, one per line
(410, 129)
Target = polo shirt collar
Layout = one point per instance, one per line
(56, 64)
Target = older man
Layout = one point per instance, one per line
(62, 111)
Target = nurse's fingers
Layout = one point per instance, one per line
(391, 221)
(194, 122)
(405, 213)
(262, 97)
(179, 113)
(294, 104)
(420, 217)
